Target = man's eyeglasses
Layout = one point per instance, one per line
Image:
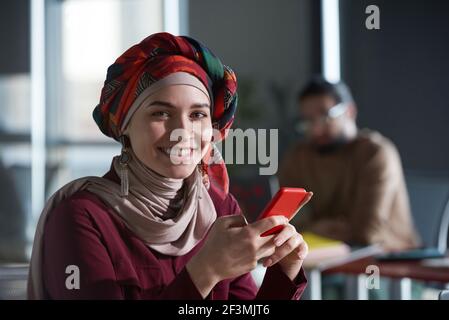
(335, 112)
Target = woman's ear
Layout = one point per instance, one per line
(126, 131)
(126, 134)
(125, 140)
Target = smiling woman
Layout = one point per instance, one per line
(161, 224)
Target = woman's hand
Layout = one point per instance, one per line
(291, 249)
(231, 249)
(290, 252)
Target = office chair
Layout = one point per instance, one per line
(429, 196)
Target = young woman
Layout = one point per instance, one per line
(161, 223)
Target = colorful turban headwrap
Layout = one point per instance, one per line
(154, 58)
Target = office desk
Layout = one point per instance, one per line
(399, 269)
(315, 267)
(400, 272)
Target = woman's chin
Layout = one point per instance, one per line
(179, 171)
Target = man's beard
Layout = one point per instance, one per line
(333, 146)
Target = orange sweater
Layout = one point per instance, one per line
(359, 192)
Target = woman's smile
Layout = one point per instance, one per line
(178, 154)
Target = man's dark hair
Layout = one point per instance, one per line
(318, 86)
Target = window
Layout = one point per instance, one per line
(48, 115)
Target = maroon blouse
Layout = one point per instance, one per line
(114, 264)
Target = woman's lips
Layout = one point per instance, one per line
(178, 153)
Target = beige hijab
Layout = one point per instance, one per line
(170, 215)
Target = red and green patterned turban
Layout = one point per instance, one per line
(156, 57)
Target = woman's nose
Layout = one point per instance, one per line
(182, 122)
(183, 128)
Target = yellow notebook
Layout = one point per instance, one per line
(315, 241)
(322, 249)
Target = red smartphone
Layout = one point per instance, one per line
(286, 202)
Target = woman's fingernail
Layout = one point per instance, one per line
(277, 242)
(267, 263)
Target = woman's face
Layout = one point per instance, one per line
(171, 131)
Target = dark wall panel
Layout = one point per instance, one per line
(14, 36)
(400, 75)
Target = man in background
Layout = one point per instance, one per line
(356, 175)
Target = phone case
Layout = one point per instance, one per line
(286, 202)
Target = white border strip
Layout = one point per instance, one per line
(171, 16)
(330, 24)
(37, 105)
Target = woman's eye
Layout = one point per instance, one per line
(198, 115)
(160, 114)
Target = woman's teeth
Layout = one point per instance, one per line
(180, 152)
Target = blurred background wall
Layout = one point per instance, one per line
(400, 76)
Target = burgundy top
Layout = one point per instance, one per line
(114, 264)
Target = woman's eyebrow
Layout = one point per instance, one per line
(161, 103)
(200, 105)
(170, 105)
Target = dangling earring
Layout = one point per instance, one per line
(204, 176)
(124, 159)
